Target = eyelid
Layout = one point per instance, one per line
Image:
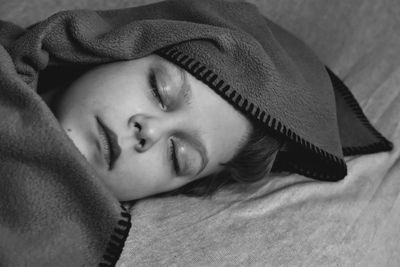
(173, 157)
(185, 156)
(185, 92)
(155, 90)
(175, 79)
(194, 141)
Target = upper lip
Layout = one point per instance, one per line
(112, 138)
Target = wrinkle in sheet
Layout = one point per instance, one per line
(384, 97)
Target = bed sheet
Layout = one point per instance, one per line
(292, 220)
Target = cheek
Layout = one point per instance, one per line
(116, 102)
(139, 175)
(220, 144)
(108, 91)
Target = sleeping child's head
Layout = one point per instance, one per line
(202, 95)
(147, 127)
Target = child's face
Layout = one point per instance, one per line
(119, 95)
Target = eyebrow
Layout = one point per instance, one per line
(194, 137)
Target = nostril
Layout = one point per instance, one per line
(138, 126)
(142, 142)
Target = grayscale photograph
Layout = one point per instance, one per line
(199, 133)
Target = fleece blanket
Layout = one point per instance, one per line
(54, 211)
(263, 71)
(294, 221)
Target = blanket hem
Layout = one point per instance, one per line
(117, 240)
(382, 145)
(336, 165)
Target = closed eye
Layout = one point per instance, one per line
(173, 159)
(159, 99)
(155, 90)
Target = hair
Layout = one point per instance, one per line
(252, 163)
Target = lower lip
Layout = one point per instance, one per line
(105, 148)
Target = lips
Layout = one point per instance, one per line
(109, 142)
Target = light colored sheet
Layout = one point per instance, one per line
(293, 220)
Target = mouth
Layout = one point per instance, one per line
(109, 141)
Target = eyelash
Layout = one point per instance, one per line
(154, 89)
(172, 157)
(156, 94)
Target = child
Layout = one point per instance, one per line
(122, 128)
(148, 126)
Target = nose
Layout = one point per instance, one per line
(148, 130)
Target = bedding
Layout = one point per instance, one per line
(293, 220)
(54, 210)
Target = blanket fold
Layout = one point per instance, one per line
(54, 211)
(254, 64)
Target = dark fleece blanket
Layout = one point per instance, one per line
(53, 209)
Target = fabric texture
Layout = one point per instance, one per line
(292, 220)
(252, 63)
(54, 211)
(86, 38)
